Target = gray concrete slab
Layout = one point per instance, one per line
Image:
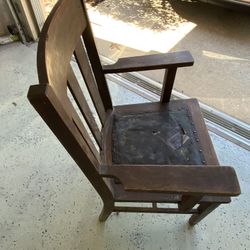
(47, 203)
(219, 40)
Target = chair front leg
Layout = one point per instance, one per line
(204, 210)
(108, 208)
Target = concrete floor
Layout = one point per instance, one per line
(47, 203)
(219, 40)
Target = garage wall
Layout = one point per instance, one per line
(5, 18)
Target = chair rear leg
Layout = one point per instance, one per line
(106, 211)
(205, 209)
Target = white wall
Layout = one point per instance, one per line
(5, 17)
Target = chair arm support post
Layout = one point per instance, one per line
(167, 85)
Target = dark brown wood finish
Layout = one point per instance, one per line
(188, 202)
(153, 134)
(83, 105)
(203, 210)
(150, 62)
(86, 70)
(44, 100)
(168, 83)
(96, 64)
(192, 180)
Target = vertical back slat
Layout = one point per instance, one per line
(86, 70)
(83, 105)
(85, 136)
(96, 63)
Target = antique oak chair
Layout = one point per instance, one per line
(142, 153)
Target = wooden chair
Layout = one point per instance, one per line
(144, 153)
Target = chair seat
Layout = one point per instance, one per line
(176, 135)
(156, 137)
(154, 133)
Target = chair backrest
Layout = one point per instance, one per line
(73, 96)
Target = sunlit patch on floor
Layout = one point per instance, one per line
(145, 27)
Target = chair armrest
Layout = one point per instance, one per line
(150, 62)
(186, 180)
